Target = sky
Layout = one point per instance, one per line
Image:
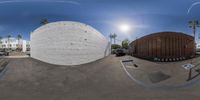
(143, 16)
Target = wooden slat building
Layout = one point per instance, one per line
(163, 46)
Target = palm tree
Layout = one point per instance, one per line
(194, 24)
(113, 36)
(18, 38)
(9, 36)
(44, 21)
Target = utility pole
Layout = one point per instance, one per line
(194, 24)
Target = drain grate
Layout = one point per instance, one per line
(159, 76)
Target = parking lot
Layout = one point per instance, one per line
(105, 79)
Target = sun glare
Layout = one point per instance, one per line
(125, 28)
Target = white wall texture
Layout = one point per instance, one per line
(68, 43)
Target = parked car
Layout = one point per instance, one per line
(4, 52)
(120, 52)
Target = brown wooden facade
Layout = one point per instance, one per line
(163, 46)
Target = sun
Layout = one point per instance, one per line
(125, 28)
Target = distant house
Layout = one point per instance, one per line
(13, 43)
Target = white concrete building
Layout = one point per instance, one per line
(68, 43)
(14, 43)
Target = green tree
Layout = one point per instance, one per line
(125, 44)
(44, 21)
(115, 46)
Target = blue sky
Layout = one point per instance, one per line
(144, 16)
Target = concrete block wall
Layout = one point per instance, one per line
(68, 43)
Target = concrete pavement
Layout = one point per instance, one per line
(105, 79)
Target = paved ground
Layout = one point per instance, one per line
(15, 54)
(177, 75)
(29, 79)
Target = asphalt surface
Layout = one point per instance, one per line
(105, 79)
(168, 75)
